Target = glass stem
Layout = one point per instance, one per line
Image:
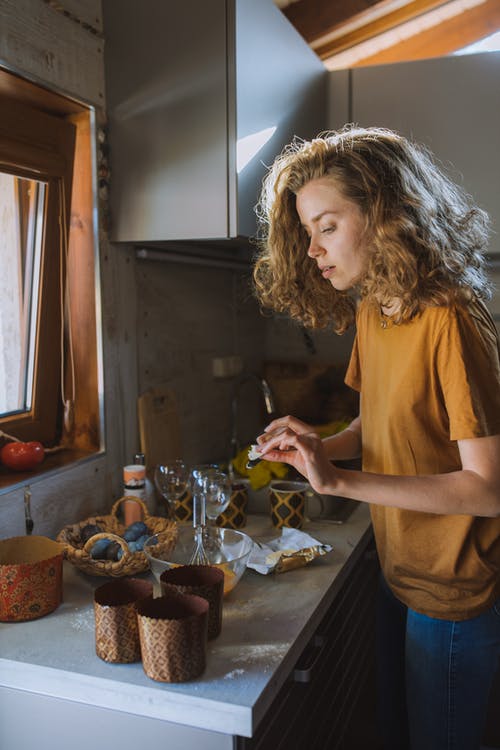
(170, 509)
(199, 517)
(214, 530)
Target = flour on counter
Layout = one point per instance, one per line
(242, 609)
(267, 651)
(83, 620)
(233, 674)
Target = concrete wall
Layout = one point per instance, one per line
(187, 316)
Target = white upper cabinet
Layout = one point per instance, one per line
(201, 95)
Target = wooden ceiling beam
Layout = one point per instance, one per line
(313, 18)
(321, 21)
(432, 41)
(343, 39)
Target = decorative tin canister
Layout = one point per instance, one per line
(30, 577)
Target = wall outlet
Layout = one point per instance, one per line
(227, 367)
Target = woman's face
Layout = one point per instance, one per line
(335, 226)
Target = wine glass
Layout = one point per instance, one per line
(217, 495)
(171, 480)
(211, 494)
(215, 486)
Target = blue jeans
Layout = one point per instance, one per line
(434, 676)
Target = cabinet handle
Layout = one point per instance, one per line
(306, 673)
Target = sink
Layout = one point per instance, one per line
(335, 509)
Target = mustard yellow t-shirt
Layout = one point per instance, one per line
(424, 385)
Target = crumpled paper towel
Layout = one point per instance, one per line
(292, 549)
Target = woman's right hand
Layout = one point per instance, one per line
(278, 438)
(291, 441)
(280, 425)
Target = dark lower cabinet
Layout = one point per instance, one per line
(328, 699)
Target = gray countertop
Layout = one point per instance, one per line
(267, 622)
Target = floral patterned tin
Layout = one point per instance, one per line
(30, 577)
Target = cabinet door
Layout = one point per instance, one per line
(328, 699)
(62, 724)
(452, 105)
(280, 87)
(166, 94)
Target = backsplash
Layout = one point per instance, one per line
(187, 316)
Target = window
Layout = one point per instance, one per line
(48, 336)
(21, 224)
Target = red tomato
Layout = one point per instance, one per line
(22, 456)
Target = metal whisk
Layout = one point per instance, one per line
(199, 556)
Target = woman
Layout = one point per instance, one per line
(361, 224)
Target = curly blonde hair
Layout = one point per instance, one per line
(427, 237)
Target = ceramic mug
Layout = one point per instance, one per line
(235, 515)
(288, 503)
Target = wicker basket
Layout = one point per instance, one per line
(130, 563)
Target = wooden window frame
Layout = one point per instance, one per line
(48, 137)
(41, 147)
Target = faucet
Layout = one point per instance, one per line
(268, 402)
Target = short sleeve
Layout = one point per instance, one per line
(353, 373)
(468, 370)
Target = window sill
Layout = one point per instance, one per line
(51, 466)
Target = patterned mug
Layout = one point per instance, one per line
(287, 501)
(235, 515)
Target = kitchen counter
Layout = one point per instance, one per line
(267, 622)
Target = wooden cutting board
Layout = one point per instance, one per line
(159, 426)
